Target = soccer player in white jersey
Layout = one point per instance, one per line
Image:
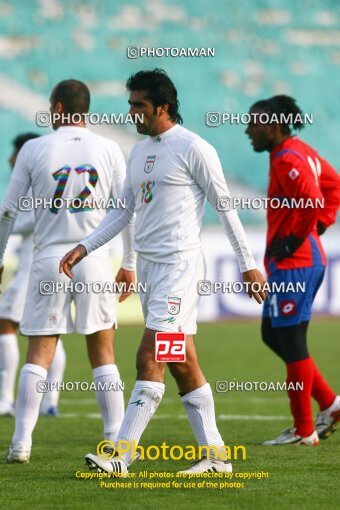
(64, 168)
(169, 176)
(11, 310)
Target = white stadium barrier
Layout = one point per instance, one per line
(222, 267)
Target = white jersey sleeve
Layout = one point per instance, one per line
(206, 170)
(129, 256)
(18, 186)
(113, 223)
(24, 224)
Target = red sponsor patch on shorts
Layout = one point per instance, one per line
(288, 307)
(170, 347)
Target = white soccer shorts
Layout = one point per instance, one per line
(49, 313)
(171, 297)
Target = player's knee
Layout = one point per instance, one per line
(145, 360)
(294, 342)
(43, 359)
(100, 354)
(181, 370)
(7, 327)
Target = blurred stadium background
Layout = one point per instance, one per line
(262, 48)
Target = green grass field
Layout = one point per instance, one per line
(299, 477)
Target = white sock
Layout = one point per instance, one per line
(145, 398)
(199, 406)
(55, 374)
(9, 360)
(28, 403)
(335, 405)
(111, 402)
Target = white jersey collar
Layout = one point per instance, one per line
(167, 133)
(69, 129)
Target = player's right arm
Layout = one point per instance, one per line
(71, 259)
(18, 186)
(126, 274)
(118, 181)
(113, 223)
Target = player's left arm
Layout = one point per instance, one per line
(205, 168)
(18, 186)
(329, 182)
(126, 273)
(301, 184)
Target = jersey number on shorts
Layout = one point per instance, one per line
(147, 194)
(62, 176)
(273, 308)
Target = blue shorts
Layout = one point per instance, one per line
(291, 305)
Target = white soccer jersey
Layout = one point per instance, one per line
(168, 180)
(65, 169)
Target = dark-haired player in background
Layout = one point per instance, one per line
(12, 309)
(294, 254)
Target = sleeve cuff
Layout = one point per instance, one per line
(129, 261)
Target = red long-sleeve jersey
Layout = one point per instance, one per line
(298, 172)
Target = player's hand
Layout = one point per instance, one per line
(72, 258)
(254, 276)
(128, 278)
(321, 228)
(284, 247)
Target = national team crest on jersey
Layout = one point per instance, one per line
(150, 161)
(174, 305)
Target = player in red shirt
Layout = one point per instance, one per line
(307, 189)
